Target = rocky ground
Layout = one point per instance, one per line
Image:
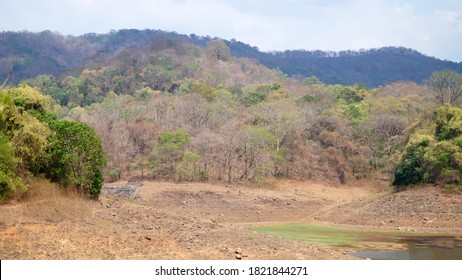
(164, 220)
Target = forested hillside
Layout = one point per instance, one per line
(179, 110)
(26, 55)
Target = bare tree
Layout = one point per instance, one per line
(446, 86)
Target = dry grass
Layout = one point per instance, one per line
(45, 202)
(48, 222)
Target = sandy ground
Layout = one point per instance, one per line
(166, 220)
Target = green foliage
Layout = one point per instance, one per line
(254, 97)
(30, 98)
(279, 155)
(187, 168)
(260, 93)
(448, 122)
(173, 139)
(6, 153)
(76, 157)
(160, 76)
(30, 142)
(411, 171)
(440, 161)
(312, 81)
(9, 182)
(113, 174)
(48, 85)
(444, 163)
(28, 135)
(310, 98)
(452, 188)
(203, 90)
(349, 95)
(168, 152)
(203, 175)
(146, 92)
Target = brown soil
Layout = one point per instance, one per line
(164, 220)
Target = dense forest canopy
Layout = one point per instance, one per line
(187, 108)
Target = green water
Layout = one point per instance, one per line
(392, 245)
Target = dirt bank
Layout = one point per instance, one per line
(163, 220)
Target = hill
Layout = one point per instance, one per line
(27, 55)
(372, 68)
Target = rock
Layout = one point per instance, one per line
(383, 223)
(126, 191)
(239, 256)
(238, 251)
(148, 238)
(299, 257)
(426, 219)
(258, 213)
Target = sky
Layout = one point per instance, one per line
(432, 27)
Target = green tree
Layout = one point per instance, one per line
(30, 142)
(443, 163)
(76, 157)
(28, 135)
(448, 122)
(256, 148)
(312, 81)
(9, 181)
(411, 171)
(168, 152)
(187, 168)
(434, 159)
(349, 95)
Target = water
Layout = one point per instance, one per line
(368, 244)
(419, 248)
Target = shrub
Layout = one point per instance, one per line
(76, 157)
(412, 168)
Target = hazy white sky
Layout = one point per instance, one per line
(433, 27)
